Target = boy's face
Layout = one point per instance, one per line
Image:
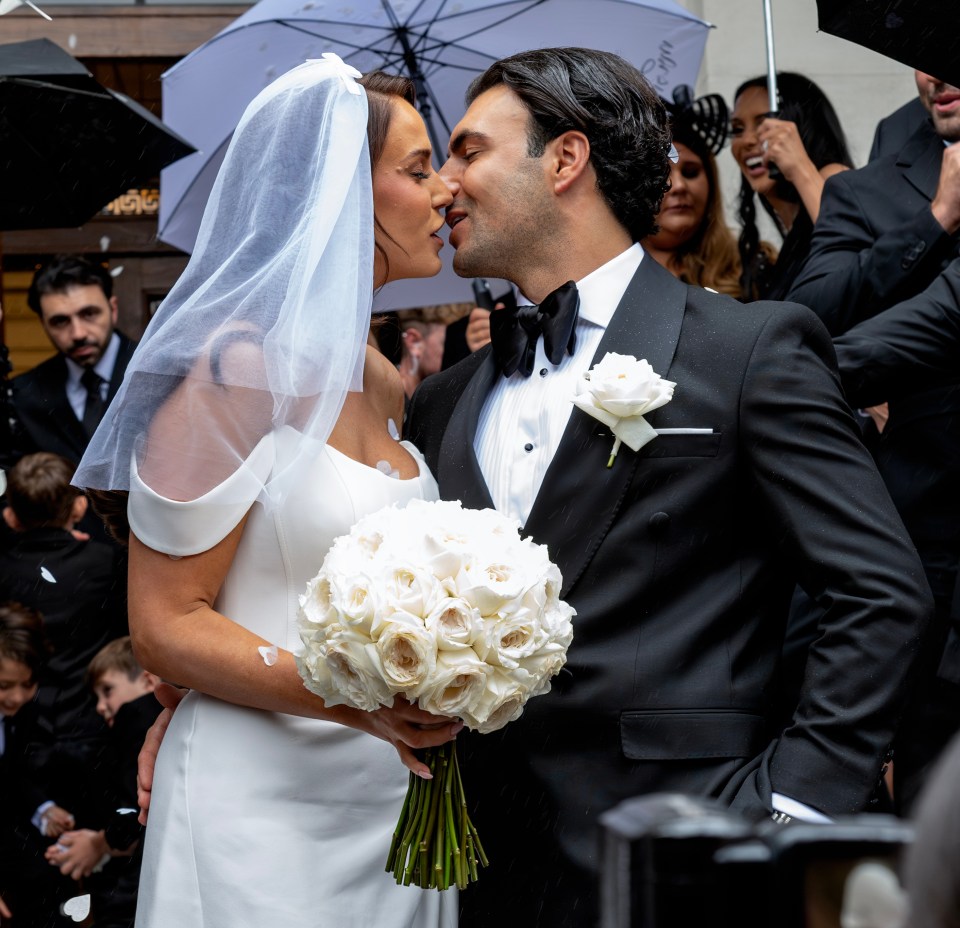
(115, 688)
(17, 686)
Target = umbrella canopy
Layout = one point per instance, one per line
(441, 45)
(924, 34)
(68, 145)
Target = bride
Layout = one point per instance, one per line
(253, 427)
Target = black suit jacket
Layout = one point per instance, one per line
(46, 420)
(680, 561)
(79, 587)
(894, 131)
(877, 244)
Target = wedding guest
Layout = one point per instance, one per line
(693, 240)
(931, 871)
(679, 558)
(77, 587)
(108, 858)
(60, 402)
(270, 807)
(805, 141)
(422, 340)
(30, 894)
(886, 240)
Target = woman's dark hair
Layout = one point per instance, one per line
(608, 100)
(22, 638)
(381, 90)
(805, 104)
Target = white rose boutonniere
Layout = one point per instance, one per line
(619, 391)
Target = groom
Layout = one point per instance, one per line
(680, 558)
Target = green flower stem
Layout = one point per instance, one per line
(435, 845)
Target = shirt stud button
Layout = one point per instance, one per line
(543, 372)
(528, 447)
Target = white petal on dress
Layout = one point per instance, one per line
(260, 819)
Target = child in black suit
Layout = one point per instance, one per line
(29, 893)
(77, 585)
(108, 858)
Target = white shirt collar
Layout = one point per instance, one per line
(602, 289)
(103, 367)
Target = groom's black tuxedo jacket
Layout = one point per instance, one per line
(680, 561)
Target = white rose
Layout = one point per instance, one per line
(619, 391)
(457, 682)
(501, 702)
(504, 642)
(543, 666)
(407, 587)
(355, 670)
(315, 604)
(354, 598)
(496, 585)
(407, 652)
(454, 623)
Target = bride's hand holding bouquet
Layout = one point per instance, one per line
(450, 611)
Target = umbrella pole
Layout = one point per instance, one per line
(771, 57)
(412, 65)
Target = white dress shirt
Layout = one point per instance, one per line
(523, 418)
(76, 391)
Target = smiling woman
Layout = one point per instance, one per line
(784, 158)
(694, 242)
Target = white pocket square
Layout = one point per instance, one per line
(684, 431)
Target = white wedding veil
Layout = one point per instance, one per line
(266, 328)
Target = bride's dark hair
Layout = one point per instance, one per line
(381, 88)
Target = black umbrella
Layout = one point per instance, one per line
(68, 145)
(924, 34)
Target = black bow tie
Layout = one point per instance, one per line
(514, 333)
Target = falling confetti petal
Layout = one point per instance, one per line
(269, 654)
(78, 908)
(104, 242)
(49, 577)
(393, 430)
(116, 271)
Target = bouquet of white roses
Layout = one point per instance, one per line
(451, 609)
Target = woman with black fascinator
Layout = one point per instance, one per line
(693, 240)
(784, 157)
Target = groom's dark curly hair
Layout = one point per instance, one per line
(609, 101)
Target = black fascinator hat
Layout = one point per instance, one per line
(701, 124)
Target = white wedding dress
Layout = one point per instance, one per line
(263, 820)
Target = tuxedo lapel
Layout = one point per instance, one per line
(580, 495)
(458, 470)
(920, 160)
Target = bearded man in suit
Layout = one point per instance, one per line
(886, 234)
(680, 559)
(60, 402)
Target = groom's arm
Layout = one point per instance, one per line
(827, 506)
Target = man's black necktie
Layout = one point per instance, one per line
(515, 333)
(96, 405)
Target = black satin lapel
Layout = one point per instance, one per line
(458, 470)
(580, 495)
